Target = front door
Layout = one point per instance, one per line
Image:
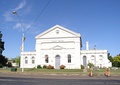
(57, 61)
(84, 61)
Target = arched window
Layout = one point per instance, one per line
(33, 60)
(69, 58)
(26, 60)
(46, 58)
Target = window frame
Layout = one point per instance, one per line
(26, 60)
(46, 59)
(69, 58)
(33, 60)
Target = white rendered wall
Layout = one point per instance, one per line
(99, 61)
(61, 41)
(29, 56)
(66, 46)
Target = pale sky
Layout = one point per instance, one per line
(98, 21)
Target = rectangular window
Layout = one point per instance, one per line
(46, 58)
(26, 61)
(69, 58)
(33, 61)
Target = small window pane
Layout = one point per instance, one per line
(69, 58)
(26, 61)
(33, 61)
(46, 58)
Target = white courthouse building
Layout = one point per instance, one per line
(60, 46)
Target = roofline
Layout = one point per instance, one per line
(63, 28)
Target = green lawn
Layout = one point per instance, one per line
(60, 71)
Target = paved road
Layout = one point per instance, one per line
(57, 81)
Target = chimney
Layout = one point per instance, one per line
(87, 45)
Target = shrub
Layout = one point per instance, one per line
(90, 65)
(1, 65)
(62, 67)
(44, 66)
(50, 67)
(82, 67)
(39, 66)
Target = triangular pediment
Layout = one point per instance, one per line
(57, 48)
(58, 32)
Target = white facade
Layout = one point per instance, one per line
(60, 46)
(97, 57)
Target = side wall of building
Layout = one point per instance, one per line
(28, 60)
(97, 57)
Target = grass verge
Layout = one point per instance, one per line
(59, 71)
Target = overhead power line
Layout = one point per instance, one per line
(38, 16)
(14, 12)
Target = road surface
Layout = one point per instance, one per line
(57, 81)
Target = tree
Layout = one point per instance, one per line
(110, 57)
(17, 60)
(116, 61)
(3, 60)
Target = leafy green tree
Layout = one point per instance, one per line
(17, 60)
(3, 60)
(1, 44)
(116, 61)
(110, 57)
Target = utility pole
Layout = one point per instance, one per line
(23, 36)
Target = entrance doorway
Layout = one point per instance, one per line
(57, 62)
(84, 61)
